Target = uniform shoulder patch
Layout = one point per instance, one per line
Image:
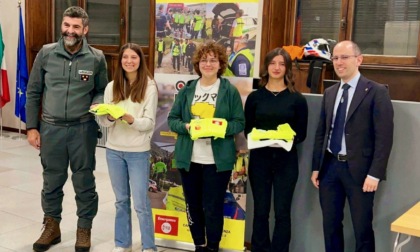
(242, 69)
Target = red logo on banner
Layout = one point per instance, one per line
(180, 84)
(166, 225)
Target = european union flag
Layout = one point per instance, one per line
(21, 73)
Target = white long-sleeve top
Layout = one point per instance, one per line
(135, 137)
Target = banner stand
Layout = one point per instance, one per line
(174, 244)
(181, 27)
(185, 245)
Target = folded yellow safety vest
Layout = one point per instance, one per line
(283, 132)
(105, 109)
(208, 127)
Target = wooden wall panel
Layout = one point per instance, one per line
(273, 25)
(38, 27)
(277, 30)
(150, 56)
(403, 85)
(277, 24)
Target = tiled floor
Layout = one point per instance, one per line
(20, 207)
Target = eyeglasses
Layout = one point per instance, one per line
(211, 61)
(342, 57)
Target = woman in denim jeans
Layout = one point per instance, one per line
(128, 145)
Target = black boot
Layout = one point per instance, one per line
(212, 247)
(200, 249)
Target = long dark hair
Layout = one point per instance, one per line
(122, 89)
(288, 76)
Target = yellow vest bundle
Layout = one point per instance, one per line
(208, 127)
(282, 137)
(283, 132)
(108, 109)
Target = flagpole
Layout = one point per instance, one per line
(1, 109)
(2, 81)
(1, 125)
(1, 121)
(20, 116)
(21, 74)
(20, 119)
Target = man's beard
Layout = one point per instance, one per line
(71, 41)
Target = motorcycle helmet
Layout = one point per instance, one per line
(318, 48)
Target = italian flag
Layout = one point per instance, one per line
(4, 88)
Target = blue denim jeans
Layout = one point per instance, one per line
(131, 169)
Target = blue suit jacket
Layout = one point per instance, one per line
(368, 130)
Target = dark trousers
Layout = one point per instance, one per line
(61, 146)
(195, 34)
(336, 184)
(160, 34)
(204, 191)
(215, 34)
(190, 64)
(160, 57)
(176, 62)
(272, 169)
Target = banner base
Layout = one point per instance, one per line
(186, 245)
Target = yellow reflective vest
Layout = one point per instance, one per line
(245, 52)
(198, 22)
(237, 30)
(160, 46)
(176, 50)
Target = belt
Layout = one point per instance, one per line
(339, 157)
(59, 122)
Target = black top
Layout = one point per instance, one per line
(265, 110)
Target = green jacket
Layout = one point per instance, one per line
(66, 84)
(159, 167)
(228, 106)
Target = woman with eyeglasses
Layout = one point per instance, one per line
(206, 164)
(273, 169)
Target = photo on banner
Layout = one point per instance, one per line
(182, 27)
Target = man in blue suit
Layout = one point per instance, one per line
(353, 142)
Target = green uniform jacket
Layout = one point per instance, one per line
(67, 84)
(228, 106)
(160, 167)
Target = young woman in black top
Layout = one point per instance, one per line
(271, 168)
